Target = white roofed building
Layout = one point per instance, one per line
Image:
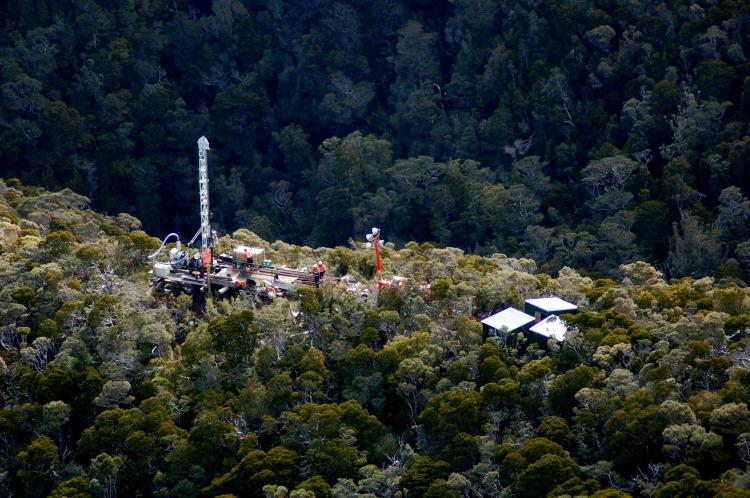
(540, 322)
(543, 307)
(507, 321)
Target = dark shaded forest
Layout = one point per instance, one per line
(584, 134)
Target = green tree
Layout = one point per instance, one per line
(563, 389)
(540, 477)
(696, 250)
(38, 464)
(734, 214)
(257, 469)
(235, 337)
(450, 413)
(420, 475)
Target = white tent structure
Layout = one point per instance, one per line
(552, 327)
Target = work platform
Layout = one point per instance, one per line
(226, 277)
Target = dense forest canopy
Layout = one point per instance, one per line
(109, 390)
(510, 149)
(581, 133)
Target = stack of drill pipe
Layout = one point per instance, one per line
(303, 276)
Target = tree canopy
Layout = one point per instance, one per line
(109, 389)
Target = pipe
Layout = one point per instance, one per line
(164, 243)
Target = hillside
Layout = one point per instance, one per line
(108, 390)
(585, 134)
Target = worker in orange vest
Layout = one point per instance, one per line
(316, 275)
(322, 270)
(244, 257)
(318, 271)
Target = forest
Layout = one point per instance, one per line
(107, 389)
(594, 150)
(586, 134)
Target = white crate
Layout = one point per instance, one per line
(162, 269)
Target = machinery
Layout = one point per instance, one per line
(244, 270)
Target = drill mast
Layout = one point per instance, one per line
(203, 193)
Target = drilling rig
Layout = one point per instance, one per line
(245, 269)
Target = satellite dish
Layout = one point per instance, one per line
(368, 245)
(375, 230)
(381, 242)
(368, 237)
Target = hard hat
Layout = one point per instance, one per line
(320, 262)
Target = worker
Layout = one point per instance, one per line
(322, 270)
(319, 273)
(245, 255)
(316, 275)
(207, 259)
